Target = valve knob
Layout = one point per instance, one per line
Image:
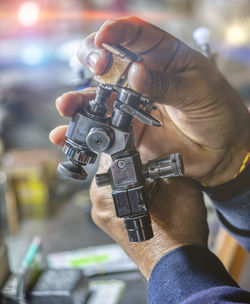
(98, 139)
(78, 155)
(170, 166)
(102, 179)
(139, 228)
(68, 170)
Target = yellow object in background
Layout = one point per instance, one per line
(30, 175)
(32, 193)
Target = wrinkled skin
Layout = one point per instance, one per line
(203, 118)
(177, 212)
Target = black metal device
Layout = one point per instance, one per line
(64, 286)
(91, 131)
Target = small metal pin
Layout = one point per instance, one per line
(122, 52)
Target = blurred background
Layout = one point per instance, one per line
(38, 43)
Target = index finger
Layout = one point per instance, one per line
(131, 32)
(158, 48)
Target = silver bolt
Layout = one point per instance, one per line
(121, 164)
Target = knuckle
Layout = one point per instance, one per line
(110, 23)
(94, 216)
(159, 85)
(134, 19)
(108, 26)
(86, 47)
(100, 216)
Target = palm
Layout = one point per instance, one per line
(163, 204)
(201, 128)
(203, 117)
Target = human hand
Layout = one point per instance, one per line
(177, 212)
(176, 207)
(203, 117)
(172, 224)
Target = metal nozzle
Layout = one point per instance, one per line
(68, 170)
(170, 166)
(139, 228)
(102, 179)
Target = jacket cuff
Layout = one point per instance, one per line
(185, 271)
(231, 189)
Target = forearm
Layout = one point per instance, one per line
(193, 274)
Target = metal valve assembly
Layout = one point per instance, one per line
(91, 131)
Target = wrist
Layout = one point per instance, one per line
(147, 254)
(229, 191)
(232, 163)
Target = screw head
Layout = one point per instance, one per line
(98, 139)
(121, 164)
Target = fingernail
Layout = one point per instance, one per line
(51, 136)
(59, 100)
(93, 59)
(58, 103)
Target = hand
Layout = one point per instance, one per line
(178, 218)
(203, 117)
(176, 206)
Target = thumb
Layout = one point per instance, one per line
(148, 83)
(165, 88)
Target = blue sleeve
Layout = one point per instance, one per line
(192, 274)
(195, 275)
(232, 204)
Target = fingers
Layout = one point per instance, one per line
(97, 59)
(172, 89)
(134, 33)
(162, 54)
(157, 47)
(57, 136)
(69, 102)
(148, 83)
(67, 105)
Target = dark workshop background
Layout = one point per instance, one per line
(38, 43)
